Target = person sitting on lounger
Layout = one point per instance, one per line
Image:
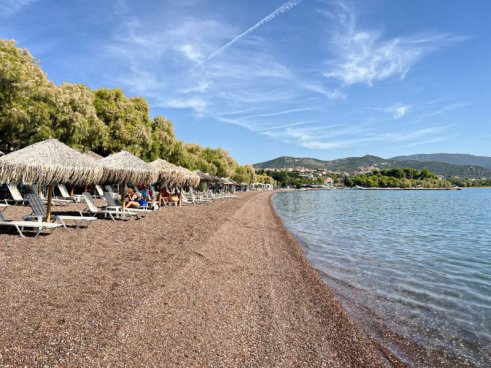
(174, 198)
(131, 199)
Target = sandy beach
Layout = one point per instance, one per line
(220, 285)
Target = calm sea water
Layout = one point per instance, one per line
(413, 267)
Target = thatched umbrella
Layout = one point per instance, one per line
(93, 155)
(123, 168)
(169, 174)
(191, 179)
(206, 177)
(1, 153)
(48, 162)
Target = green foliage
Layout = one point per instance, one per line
(397, 178)
(467, 183)
(75, 121)
(27, 99)
(265, 179)
(127, 120)
(289, 178)
(104, 121)
(245, 174)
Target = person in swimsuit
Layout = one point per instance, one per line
(131, 199)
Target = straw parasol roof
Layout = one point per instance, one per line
(93, 155)
(169, 174)
(191, 179)
(228, 181)
(125, 167)
(206, 177)
(48, 162)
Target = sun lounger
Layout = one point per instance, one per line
(113, 204)
(64, 193)
(54, 201)
(39, 212)
(199, 199)
(36, 226)
(98, 189)
(112, 213)
(15, 194)
(110, 190)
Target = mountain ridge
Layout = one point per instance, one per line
(353, 165)
(449, 158)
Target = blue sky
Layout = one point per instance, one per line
(311, 78)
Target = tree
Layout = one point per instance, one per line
(244, 174)
(127, 120)
(75, 120)
(105, 120)
(26, 99)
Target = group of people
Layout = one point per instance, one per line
(147, 197)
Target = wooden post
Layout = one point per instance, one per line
(50, 196)
(180, 196)
(123, 197)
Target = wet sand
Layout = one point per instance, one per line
(221, 285)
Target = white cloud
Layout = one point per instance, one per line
(190, 52)
(253, 87)
(331, 94)
(364, 56)
(11, 7)
(194, 103)
(397, 110)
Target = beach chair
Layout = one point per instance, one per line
(15, 194)
(21, 226)
(39, 212)
(109, 189)
(199, 199)
(54, 201)
(114, 204)
(98, 189)
(111, 213)
(186, 201)
(64, 193)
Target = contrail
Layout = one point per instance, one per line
(282, 9)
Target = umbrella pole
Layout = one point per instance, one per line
(123, 197)
(50, 196)
(180, 196)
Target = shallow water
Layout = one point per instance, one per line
(413, 267)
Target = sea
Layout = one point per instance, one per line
(413, 268)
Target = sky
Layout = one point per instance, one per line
(267, 78)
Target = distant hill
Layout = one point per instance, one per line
(357, 164)
(449, 158)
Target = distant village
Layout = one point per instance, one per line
(319, 177)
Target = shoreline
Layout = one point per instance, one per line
(224, 284)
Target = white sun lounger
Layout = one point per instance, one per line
(15, 194)
(98, 189)
(20, 226)
(113, 214)
(64, 193)
(39, 212)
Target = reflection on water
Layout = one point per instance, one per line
(414, 267)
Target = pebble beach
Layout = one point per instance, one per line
(218, 285)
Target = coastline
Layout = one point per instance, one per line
(218, 285)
